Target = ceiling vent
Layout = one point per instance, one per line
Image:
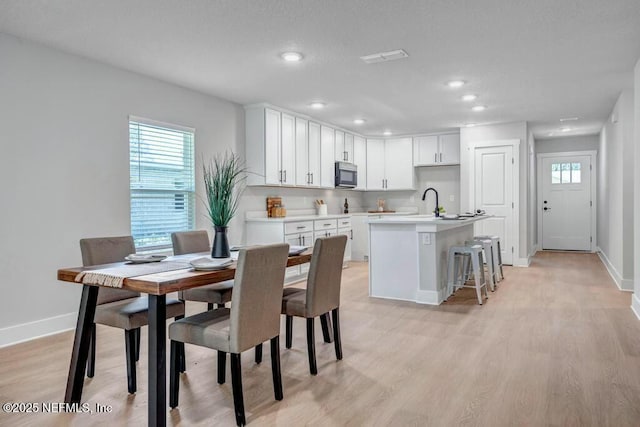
(385, 56)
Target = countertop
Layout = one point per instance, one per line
(298, 218)
(398, 213)
(427, 223)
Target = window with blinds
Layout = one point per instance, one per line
(161, 164)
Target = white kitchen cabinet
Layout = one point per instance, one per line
(270, 147)
(360, 242)
(339, 146)
(264, 231)
(314, 154)
(347, 250)
(360, 160)
(390, 164)
(307, 153)
(348, 148)
(288, 153)
(375, 164)
(437, 150)
(327, 157)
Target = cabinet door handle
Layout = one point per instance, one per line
(280, 179)
(303, 241)
(312, 178)
(301, 227)
(345, 222)
(300, 240)
(440, 157)
(328, 225)
(351, 234)
(435, 157)
(285, 176)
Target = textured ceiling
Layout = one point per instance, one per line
(537, 61)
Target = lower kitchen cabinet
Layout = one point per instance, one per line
(261, 231)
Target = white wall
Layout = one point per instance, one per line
(516, 130)
(65, 168)
(635, 302)
(445, 179)
(615, 191)
(568, 143)
(532, 195)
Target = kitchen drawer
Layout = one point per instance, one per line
(298, 227)
(344, 222)
(325, 224)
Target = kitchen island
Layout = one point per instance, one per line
(408, 256)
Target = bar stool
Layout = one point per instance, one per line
(497, 254)
(487, 246)
(456, 271)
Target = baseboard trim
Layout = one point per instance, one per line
(635, 305)
(40, 328)
(625, 285)
(522, 262)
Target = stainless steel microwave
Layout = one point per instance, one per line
(346, 175)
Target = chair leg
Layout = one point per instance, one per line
(222, 361)
(130, 345)
(336, 333)
(325, 322)
(275, 367)
(236, 382)
(259, 354)
(91, 361)
(476, 272)
(289, 331)
(311, 347)
(138, 333)
(181, 353)
(210, 306)
(174, 376)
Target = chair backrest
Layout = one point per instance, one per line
(257, 295)
(190, 242)
(325, 275)
(105, 250)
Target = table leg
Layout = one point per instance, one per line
(157, 361)
(81, 342)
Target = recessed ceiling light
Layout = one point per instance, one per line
(359, 121)
(317, 105)
(565, 129)
(470, 97)
(454, 84)
(569, 119)
(479, 108)
(387, 133)
(469, 125)
(292, 56)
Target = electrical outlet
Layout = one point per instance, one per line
(426, 239)
(452, 198)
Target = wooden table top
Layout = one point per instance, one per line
(172, 281)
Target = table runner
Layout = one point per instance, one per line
(114, 276)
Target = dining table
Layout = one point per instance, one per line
(156, 286)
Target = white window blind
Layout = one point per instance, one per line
(161, 164)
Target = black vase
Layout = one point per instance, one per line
(220, 247)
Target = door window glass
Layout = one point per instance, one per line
(565, 173)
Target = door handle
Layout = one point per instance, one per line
(440, 157)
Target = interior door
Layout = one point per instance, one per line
(493, 176)
(566, 206)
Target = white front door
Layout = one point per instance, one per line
(493, 193)
(566, 206)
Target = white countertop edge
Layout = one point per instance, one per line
(299, 218)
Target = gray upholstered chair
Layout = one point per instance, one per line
(189, 242)
(254, 317)
(321, 296)
(118, 307)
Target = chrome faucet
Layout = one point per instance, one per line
(424, 196)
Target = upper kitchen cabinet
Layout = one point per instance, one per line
(344, 147)
(327, 157)
(307, 153)
(339, 146)
(270, 147)
(360, 159)
(390, 164)
(437, 150)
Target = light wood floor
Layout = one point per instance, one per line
(556, 344)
